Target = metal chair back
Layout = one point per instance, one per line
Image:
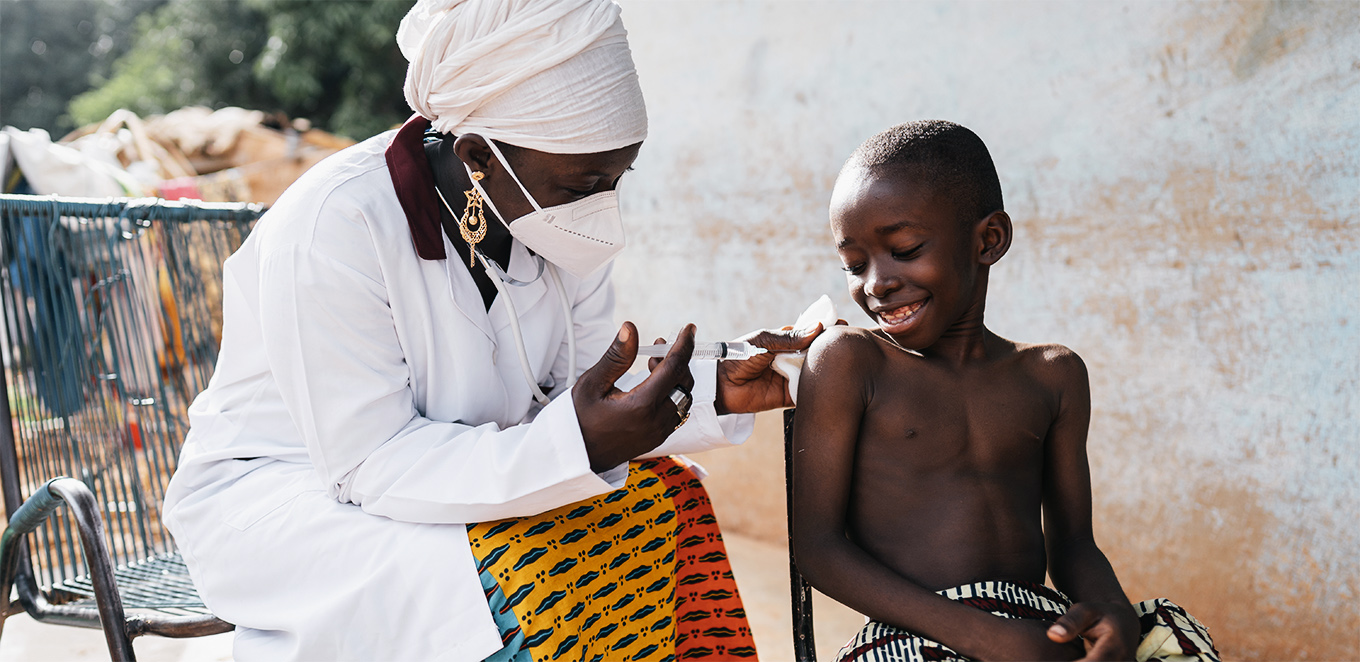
(111, 319)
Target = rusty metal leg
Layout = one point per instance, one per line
(803, 648)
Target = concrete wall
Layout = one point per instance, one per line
(1185, 184)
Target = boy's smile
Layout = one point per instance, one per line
(907, 255)
(898, 320)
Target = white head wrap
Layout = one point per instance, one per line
(552, 75)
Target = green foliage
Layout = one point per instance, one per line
(340, 66)
(334, 62)
(188, 52)
(52, 50)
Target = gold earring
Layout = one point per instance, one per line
(472, 226)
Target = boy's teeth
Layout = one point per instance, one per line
(899, 314)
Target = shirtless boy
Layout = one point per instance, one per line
(932, 454)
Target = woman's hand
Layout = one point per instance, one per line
(618, 426)
(753, 385)
(1111, 630)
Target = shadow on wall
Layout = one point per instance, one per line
(1183, 179)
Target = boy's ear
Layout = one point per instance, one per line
(993, 237)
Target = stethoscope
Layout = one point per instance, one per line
(501, 280)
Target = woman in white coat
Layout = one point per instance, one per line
(380, 388)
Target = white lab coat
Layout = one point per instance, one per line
(365, 405)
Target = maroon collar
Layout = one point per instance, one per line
(414, 183)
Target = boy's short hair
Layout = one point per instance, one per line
(949, 157)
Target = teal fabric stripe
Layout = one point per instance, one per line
(506, 622)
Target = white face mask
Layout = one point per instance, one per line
(580, 237)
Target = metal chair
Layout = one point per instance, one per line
(110, 315)
(804, 650)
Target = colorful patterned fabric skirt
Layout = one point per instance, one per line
(1169, 634)
(637, 574)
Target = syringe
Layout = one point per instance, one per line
(722, 351)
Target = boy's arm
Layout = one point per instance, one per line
(833, 393)
(1101, 614)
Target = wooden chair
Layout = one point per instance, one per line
(111, 317)
(804, 649)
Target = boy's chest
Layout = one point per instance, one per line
(986, 423)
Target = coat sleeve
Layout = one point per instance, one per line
(705, 429)
(329, 339)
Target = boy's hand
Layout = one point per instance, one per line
(1024, 639)
(1110, 630)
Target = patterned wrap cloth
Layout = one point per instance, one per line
(640, 573)
(1169, 633)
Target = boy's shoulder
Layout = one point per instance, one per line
(845, 343)
(842, 357)
(841, 366)
(1052, 363)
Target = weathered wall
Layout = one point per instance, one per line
(1185, 184)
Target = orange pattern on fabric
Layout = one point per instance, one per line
(710, 619)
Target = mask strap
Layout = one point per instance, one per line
(501, 157)
(497, 151)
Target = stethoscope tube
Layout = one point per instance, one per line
(571, 323)
(504, 292)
